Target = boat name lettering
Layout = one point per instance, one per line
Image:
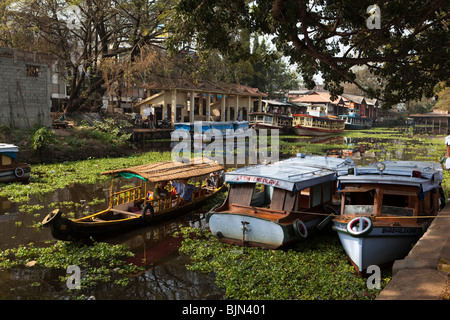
(266, 181)
(397, 230)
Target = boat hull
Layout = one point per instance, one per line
(228, 227)
(17, 174)
(82, 229)
(382, 245)
(305, 131)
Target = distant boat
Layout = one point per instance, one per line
(381, 206)
(354, 121)
(316, 123)
(278, 204)
(264, 120)
(135, 207)
(10, 169)
(203, 130)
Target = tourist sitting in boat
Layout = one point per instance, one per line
(160, 190)
(184, 189)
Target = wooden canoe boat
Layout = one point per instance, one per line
(276, 205)
(381, 209)
(132, 208)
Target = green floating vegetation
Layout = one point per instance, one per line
(100, 262)
(316, 270)
(46, 178)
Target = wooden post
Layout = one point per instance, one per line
(249, 107)
(259, 104)
(208, 106)
(173, 112)
(200, 105)
(222, 105)
(236, 109)
(228, 107)
(192, 106)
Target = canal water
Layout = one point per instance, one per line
(165, 275)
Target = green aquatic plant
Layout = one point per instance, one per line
(47, 178)
(317, 269)
(100, 262)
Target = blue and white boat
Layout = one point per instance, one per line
(355, 121)
(204, 131)
(381, 206)
(278, 204)
(10, 169)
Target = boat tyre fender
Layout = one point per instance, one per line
(359, 226)
(18, 172)
(300, 228)
(148, 208)
(51, 217)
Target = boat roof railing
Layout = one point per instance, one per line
(291, 174)
(414, 173)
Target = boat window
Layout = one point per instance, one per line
(282, 200)
(241, 193)
(359, 202)
(326, 191)
(398, 205)
(317, 195)
(358, 209)
(6, 161)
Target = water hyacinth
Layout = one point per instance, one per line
(316, 269)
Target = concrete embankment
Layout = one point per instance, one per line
(424, 273)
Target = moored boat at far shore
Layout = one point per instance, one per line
(316, 123)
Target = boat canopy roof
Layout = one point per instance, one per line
(9, 150)
(292, 174)
(168, 170)
(426, 175)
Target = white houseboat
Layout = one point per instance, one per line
(385, 209)
(277, 204)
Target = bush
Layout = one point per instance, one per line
(42, 138)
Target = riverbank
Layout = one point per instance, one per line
(425, 273)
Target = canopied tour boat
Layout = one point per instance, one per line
(10, 169)
(385, 209)
(136, 206)
(316, 123)
(277, 204)
(265, 120)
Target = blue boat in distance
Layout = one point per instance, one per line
(355, 121)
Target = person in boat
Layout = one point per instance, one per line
(160, 190)
(185, 190)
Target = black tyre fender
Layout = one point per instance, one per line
(19, 172)
(52, 217)
(145, 216)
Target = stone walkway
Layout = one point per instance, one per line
(424, 273)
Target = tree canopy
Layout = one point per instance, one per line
(404, 43)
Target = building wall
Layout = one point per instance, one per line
(25, 90)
